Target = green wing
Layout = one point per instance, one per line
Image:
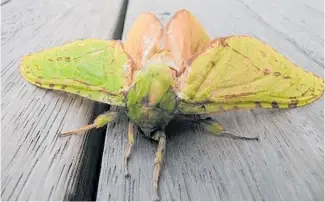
(96, 69)
(241, 72)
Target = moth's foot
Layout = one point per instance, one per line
(156, 198)
(126, 173)
(233, 136)
(78, 131)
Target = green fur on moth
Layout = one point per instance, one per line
(151, 102)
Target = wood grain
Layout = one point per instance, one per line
(35, 163)
(287, 164)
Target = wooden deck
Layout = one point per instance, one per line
(287, 164)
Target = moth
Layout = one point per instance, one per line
(158, 73)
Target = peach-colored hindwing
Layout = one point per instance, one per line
(185, 36)
(144, 39)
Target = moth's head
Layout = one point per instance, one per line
(151, 120)
(152, 116)
(152, 133)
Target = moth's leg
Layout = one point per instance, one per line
(100, 121)
(158, 161)
(216, 128)
(128, 148)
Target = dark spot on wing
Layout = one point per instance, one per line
(59, 58)
(38, 83)
(50, 60)
(64, 87)
(85, 83)
(277, 74)
(238, 95)
(303, 94)
(258, 105)
(292, 105)
(263, 53)
(275, 105)
(287, 77)
(267, 71)
(294, 101)
(51, 85)
(76, 58)
(67, 59)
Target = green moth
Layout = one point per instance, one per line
(158, 73)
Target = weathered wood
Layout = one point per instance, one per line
(36, 164)
(287, 164)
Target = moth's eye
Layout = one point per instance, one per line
(146, 131)
(154, 130)
(140, 130)
(152, 133)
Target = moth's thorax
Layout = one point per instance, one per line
(151, 101)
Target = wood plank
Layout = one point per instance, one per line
(36, 164)
(287, 164)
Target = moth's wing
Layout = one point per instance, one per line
(184, 37)
(243, 72)
(144, 38)
(96, 69)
